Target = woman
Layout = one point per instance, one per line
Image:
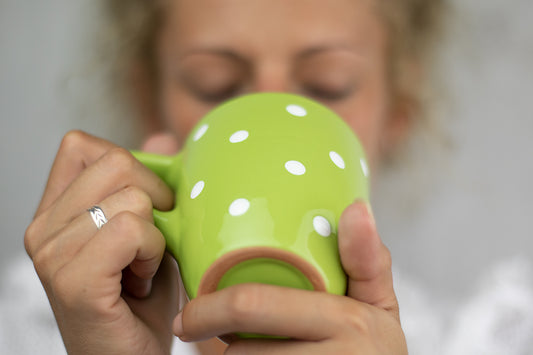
(113, 290)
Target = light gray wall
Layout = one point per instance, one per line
(475, 204)
(35, 46)
(476, 211)
(48, 85)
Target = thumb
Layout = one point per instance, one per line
(161, 143)
(365, 259)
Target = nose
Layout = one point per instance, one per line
(272, 77)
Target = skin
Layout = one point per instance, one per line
(117, 287)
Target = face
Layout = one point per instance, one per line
(332, 51)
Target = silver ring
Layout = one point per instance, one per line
(98, 216)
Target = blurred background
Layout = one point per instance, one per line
(467, 210)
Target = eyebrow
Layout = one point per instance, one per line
(317, 49)
(232, 54)
(224, 52)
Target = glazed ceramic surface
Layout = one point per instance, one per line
(260, 186)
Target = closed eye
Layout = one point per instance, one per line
(331, 94)
(218, 95)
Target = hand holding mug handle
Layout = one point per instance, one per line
(167, 168)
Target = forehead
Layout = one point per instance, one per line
(274, 24)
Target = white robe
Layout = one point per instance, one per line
(497, 319)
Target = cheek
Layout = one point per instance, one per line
(369, 132)
(367, 116)
(181, 113)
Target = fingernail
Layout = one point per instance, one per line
(370, 212)
(177, 327)
(367, 209)
(146, 289)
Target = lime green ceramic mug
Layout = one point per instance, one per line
(260, 186)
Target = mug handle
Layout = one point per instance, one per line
(168, 169)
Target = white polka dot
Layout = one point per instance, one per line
(197, 189)
(322, 226)
(238, 136)
(295, 167)
(200, 132)
(239, 207)
(364, 167)
(337, 159)
(296, 110)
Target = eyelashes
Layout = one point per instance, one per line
(218, 95)
(328, 93)
(214, 76)
(213, 88)
(325, 93)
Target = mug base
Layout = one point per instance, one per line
(261, 265)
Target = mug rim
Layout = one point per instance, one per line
(213, 275)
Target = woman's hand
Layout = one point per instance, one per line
(113, 290)
(366, 321)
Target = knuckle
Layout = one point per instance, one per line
(347, 315)
(245, 301)
(138, 201)
(72, 140)
(42, 256)
(127, 225)
(30, 236)
(119, 160)
(60, 283)
(355, 318)
(42, 261)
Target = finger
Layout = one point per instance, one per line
(365, 259)
(356, 345)
(275, 347)
(77, 151)
(51, 253)
(114, 171)
(126, 240)
(263, 309)
(160, 307)
(161, 143)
